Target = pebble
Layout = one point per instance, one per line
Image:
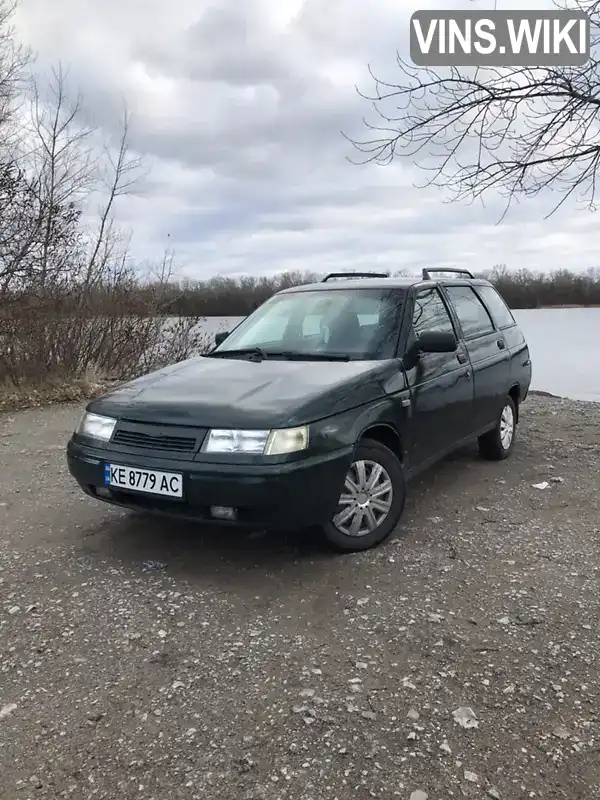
(7, 710)
(471, 777)
(419, 795)
(465, 717)
(561, 732)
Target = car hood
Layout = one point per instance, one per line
(220, 392)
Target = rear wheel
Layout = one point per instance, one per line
(371, 502)
(497, 444)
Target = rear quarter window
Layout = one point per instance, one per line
(494, 301)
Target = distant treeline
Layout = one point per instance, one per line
(233, 297)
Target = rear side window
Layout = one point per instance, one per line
(496, 306)
(472, 314)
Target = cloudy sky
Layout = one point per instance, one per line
(238, 108)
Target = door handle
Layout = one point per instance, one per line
(501, 344)
(468, 374)
(462, 358)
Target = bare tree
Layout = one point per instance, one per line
(17, 226)
(118, 175)
(516, 130)
(62, 168)
(14, 60)
(73, 300)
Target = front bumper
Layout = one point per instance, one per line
(280, 496)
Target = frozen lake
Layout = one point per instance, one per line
(563, 344)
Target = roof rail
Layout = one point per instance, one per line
(427, 276)
(350, 275)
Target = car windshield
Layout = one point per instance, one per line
(357, 323)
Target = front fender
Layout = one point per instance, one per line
(346, 429)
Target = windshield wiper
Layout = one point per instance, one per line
(292, 354)
(243, 351)
(258, 352)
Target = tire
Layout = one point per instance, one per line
(497, 444)
(369, 457)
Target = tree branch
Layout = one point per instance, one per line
(517, 130)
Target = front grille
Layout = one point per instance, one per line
(182, 444)
(132, 435)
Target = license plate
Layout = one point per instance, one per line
(149, 481)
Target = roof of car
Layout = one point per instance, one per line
(404, 282)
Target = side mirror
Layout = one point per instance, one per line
(220, 337)
(437, 342)
(429, 342)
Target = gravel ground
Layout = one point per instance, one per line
(147, 659)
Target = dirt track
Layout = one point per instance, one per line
(265, 667)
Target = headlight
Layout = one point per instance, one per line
(268, 443)
(287, 440)
(96, 426)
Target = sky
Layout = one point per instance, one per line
(238, 108)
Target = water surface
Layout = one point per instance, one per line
(563, 343)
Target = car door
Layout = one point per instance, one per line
(488, 354)
(440, 384)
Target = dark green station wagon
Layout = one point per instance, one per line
(316, 410)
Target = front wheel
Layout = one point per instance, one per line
(498, 443)
(371, 502)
